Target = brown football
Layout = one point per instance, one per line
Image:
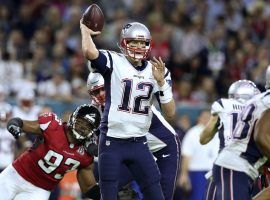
(93, 18)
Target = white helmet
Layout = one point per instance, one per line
(135, 32)
(95, 82)
(267, 78)
(243, 90)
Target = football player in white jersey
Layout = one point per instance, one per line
(130, 84)
(224, 117)
(162, 140)
(237, 165)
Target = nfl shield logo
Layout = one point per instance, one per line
(81, 150)
(107, 143)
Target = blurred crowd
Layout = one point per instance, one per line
(206, 44)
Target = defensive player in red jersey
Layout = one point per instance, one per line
(61, 149)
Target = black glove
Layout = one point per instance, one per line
(92, 193)
(14, 126)
(92, 149)
(91, 145)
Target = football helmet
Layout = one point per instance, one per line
(267, 78)
(95, 88)
(243, 90)
(84, 121)
(135, 32)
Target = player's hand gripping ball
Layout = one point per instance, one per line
(93, 18)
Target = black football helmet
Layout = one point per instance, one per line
(84, 121)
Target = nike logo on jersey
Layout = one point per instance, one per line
(165, 155)
(144, 142)
(137, 76)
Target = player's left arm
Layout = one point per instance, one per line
(166, 96)
(210, 130)
(86, 178)
(16, 126)
(262, 133)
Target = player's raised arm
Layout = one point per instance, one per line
(16, 126)
(262, 134)
(166, 96)
(89, 49)
(210, 130)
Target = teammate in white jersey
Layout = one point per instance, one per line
(130, 84)
(237, 165)
(224, 117)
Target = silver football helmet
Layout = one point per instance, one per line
(94, 81)
(95, 84)
(243, 90)
(135, 32)
(267, 78)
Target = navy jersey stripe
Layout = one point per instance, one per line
(220, 102)
(104, 121)
(167, 73)
(221, 138)
(266, 94)
(111, 61)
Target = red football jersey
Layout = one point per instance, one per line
(45, 165)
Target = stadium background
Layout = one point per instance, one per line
(206, 44)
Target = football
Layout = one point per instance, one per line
(93, 18)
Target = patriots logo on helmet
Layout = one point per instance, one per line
(127, 26)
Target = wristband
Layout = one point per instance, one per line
(165, 93)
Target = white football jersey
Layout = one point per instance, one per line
(242, 153)
(129, 96)
(228, 111)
